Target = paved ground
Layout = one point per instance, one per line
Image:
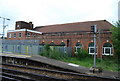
(70, 66)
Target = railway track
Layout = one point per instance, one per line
(22, 69)
(17, 75)
(43, 74)
(12, 77)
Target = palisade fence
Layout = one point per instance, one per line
(29, 47)
(0, 45)
(0, 58)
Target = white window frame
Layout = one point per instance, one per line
(10, 35)
(93, 52)
(28, 34)
(76, 47)
(15, 35)
(20, 35)
(104, 52)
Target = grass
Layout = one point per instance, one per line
(78, 61)
(110, 64)
(105, 64)
(82, 59)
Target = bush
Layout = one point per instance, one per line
(53, 52)
(46, 51)
(82, 54)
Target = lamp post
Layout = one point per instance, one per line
(95, 69)
(94, 30)
(4, 26)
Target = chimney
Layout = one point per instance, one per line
(31, 25)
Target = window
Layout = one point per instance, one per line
(107, 49)
(18, 25)
(28, 34)
(52, 44)
(62, 44)
(20, 34)
(78, 47)
(91, 49)
(34, 35)
(14, 35)
(10, 35)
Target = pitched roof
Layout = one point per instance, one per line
(77, 26)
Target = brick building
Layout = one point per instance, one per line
(77, 35)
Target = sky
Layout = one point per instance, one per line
(49, 12)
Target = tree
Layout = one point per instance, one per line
(116, 38)
(116, 41)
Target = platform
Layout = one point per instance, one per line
(64, 65)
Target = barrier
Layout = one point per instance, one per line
(29, 47)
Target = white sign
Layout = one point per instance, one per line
(75, 65)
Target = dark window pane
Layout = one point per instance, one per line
(107, 50)
(91, 50)
(107, 45)
(91, 45)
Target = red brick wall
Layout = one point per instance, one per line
(24, 35)
(16, 38)
(69, 40)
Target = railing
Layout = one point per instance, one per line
(30, 47)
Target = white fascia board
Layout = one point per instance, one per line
(24, 30)
(34, 31)
(16, 30)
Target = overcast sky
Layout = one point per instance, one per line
(48, 12)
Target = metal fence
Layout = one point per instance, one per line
(0, 45)
(30, 47)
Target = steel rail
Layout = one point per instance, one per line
(37, 77)
(66, 73)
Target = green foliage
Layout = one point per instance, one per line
(55, 54)
(46, 51)
(116, 41)
(82, 53)
(106, 64)
(83, 58)
(52, 52)
(116, 37)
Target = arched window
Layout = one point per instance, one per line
(42, 44)
(52, 44)
(91, 48)
(107, 49)
(63, 47)
(62, 44)
(78, 47)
